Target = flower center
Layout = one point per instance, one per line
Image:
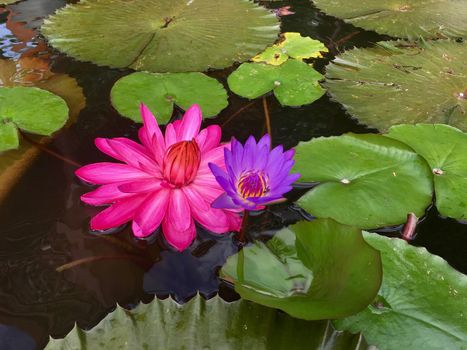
(252, 184)
(181, 163)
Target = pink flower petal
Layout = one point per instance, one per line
(214, 220)
(150, 134)
(235, 221)
(135, 155)
(195, 197)
(104, 173)
(178, 226)
(180, 240)
(191, 123)
(209, 138)
(216, 156)
(170, 136)
(151, 212)
(140, 186)
(118, 214)
(105, 194)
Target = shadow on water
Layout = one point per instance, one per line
(44, 225)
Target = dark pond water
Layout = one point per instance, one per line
(43, 225)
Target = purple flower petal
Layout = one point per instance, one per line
(224, 201)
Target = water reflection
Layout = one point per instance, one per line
(182, 275)
(12, 338)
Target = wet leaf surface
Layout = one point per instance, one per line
(445, 150)
(366, 180)
(201, 324)
(294, 83)
(311, 270)
(160, 92)
(162, 36)
(422, 303)
(407, 19)
(399, 82)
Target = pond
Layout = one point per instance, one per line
(55, 272)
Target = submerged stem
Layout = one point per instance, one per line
(238, 112)
(91, 259)
(266, 116)
(408, 231)
(241, 234)
(48, 151)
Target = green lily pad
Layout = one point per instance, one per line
(402, 83)
(29, 109)
(311, 270)
(366, 180)
(160, 91)
(294, 83)
(201, 324)
(294, 46)
(445, 150)
(8, 136)
(162, 35)
(422, 302)
(406, 18)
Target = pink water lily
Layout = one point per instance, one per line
(163, 181)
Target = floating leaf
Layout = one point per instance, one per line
(422, 302)
(160, 91)
(311, 270)
(407, 19)
(445, 150)
(162, 35)
(30, 71)
(402, 83)
(201, 324)
(294, 83)
(32, 110)
(366, 180)
(293, 45)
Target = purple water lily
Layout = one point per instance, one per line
(256, 176)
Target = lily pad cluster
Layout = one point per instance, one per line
(205, 324)
(162, 35)
(30, 109)
(445, 150)
(406, 19)
(376, 180)
(161, 91)
(293, 82)
(306, 271)
(400, 82)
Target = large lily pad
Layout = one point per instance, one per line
(445, 150)
(160, 91)
(365, 180)
(422, 302)
(402, 83)
(311, 270)
(294, 46)
(294, 83)
(162, 35)
(30, 109)
(201, 324)
(407, 18)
